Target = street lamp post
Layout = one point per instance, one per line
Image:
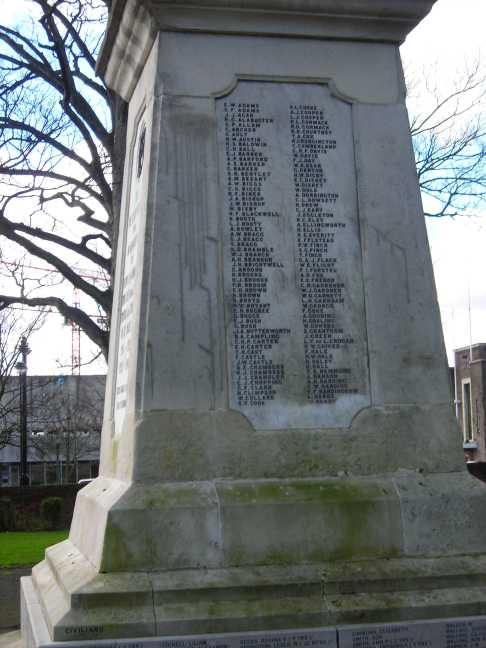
(22, 369)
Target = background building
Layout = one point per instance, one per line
(470, 399)
(64, 418)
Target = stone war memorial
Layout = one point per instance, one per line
(280, 463)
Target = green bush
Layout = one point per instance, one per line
(51, 509)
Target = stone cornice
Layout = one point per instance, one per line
(130, 35)
(134, 23)
(398, 9)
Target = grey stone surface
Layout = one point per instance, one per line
(454, 632)
(407, 356)
(224, 523)
(279, 59)
(125, 50)
(67, 585)
(248, 598)
(342, 518)
(465, 632)
(36, 634)
(199, 446)
(434, 518)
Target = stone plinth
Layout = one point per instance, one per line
(279, 450)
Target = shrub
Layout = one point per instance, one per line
(51, 509)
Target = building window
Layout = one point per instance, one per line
(467, 424)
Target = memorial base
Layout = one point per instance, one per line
(262, 555)
(455, 632)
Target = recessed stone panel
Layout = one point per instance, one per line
(292, 257)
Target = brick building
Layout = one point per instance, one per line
(470, 399)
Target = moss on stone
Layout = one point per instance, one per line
(116, 555)
(357, 519)
(279, 558)
(114, 452)
(165, 496)
(323, 490)
(353, 508)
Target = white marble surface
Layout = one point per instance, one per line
(469, 632)
(129, 260)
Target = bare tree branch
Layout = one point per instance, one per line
(98, 335)
(102, 297)
(62, 144)
(450, 143)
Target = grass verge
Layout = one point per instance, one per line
(26, 547)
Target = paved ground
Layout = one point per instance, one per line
(10, 639)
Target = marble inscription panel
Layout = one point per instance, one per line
(448, 633)
(311, 638)
(132, 231)
(292, 257)
(469, 632)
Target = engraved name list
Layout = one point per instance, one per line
(292, 259)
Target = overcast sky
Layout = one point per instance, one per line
(449, 40)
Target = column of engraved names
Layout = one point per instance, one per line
(465, 634)
(126, 310)
(317, 230)
(246, 163)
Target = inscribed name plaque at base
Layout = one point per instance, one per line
(468, 632)
(293, 268)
